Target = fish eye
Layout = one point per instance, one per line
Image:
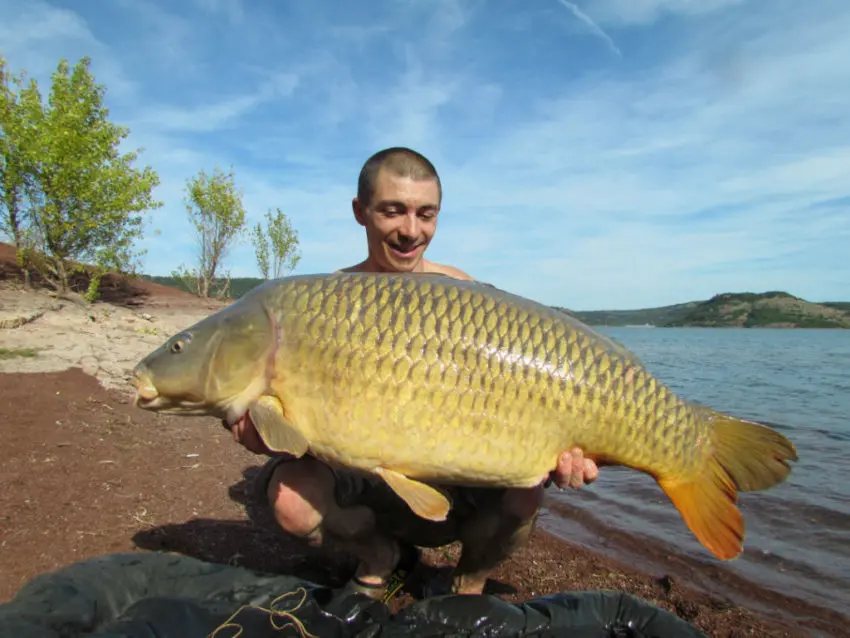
(180, 342)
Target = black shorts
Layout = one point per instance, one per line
(393, 516)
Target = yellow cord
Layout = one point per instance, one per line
(274, 614)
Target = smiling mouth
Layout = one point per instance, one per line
(404, 251)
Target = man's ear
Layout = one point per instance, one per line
(359, 214)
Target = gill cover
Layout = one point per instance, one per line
(218, 365)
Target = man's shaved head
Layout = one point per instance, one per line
(398, 161)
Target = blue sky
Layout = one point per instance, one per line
(596, 154)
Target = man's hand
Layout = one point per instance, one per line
(245, 433)
(574, 470)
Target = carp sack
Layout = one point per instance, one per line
(425, 380)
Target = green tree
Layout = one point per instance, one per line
(12, 172)
(88, 197)
(215, 209)
(19, 110)
(261, 249)
(276, 247)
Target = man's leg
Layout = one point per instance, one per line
(304, 495)
(494, 532)
(498, 528)
(324, 508)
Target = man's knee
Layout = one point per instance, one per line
(303, 495)
(300, 493)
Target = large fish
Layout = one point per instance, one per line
(424, 379)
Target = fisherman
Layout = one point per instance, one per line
(399, 195)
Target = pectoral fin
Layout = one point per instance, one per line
(277, 433)
(426, 502)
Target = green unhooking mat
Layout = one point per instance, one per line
(157, 595)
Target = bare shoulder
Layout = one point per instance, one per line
(450, 271)
(427, 266)
(361, 267)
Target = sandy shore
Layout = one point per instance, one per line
(104, 339)
(86, 474)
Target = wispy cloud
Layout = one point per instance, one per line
(643, 12)
(712, 156)
(33, 33)
(216, 115)
(594, 28)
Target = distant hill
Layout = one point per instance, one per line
(841, 305)
(640, 317)
(774, 309)
(748, 310)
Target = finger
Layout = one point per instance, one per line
(563, 471)
(239, 430)
(577, 467)
(591, 471)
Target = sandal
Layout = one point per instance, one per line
(386, 591)
(375, 591)
(408, 561)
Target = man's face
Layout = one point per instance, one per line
(400, 221)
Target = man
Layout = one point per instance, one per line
(398, 201)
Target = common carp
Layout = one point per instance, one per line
(425, 381)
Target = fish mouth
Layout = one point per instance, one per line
(147, 397)
(165, 405)
(149, 403)
(146, 392)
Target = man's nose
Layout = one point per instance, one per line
(409, 226)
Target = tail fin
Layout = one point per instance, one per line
(745, 457)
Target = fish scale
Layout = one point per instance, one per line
(541, 357)
(427, 381)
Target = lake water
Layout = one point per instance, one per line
(797, 538)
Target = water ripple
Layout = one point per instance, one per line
(795, 380)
